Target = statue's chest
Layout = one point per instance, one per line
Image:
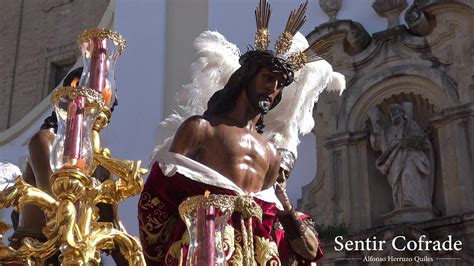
(242, 144)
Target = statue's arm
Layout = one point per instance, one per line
(39, 152)
(301, 233)
(190, 136)
(307, 244)
(37, 174)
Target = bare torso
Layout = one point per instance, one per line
(228, 141)
(238, 153)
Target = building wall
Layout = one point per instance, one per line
(428, 64)
(38, 39)
(427, 67)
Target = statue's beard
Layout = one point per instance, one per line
(264, 106)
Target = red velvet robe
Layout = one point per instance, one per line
(164, 236)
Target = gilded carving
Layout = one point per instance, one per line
(102, 34)
(93, 98)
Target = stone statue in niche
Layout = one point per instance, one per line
(407, 161)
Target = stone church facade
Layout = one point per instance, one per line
(426, 70)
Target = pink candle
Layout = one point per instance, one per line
(206, 235)
(98, 64)
(74, 127)
(211, 235)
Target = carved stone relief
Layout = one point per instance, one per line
(428, 60)
(406, 160)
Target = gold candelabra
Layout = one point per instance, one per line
(72, 216)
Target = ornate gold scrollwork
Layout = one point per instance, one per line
(129, 172)
(71, 224)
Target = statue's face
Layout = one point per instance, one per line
(396, 116)
(264, 88)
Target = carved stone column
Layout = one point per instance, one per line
(330, 7)
(390, 9)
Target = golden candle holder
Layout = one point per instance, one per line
(72, 216)
(206, 216)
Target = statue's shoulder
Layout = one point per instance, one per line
(195, 122)
(195, 127)
(191, 134)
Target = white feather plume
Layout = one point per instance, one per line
(293, 116)
(337, 83)
(8, 174)
(218, 59)
(298, 44)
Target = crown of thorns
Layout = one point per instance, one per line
(296, 19)
(268, 59)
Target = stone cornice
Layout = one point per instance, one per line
(361, 49)
(452, 113)
(344, 138)
(352, 34)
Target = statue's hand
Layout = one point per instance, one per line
(283, 197)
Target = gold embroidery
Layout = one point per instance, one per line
(175, 252)
(156, 258)
(228, 241)
(156, 227)
(266, 250)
